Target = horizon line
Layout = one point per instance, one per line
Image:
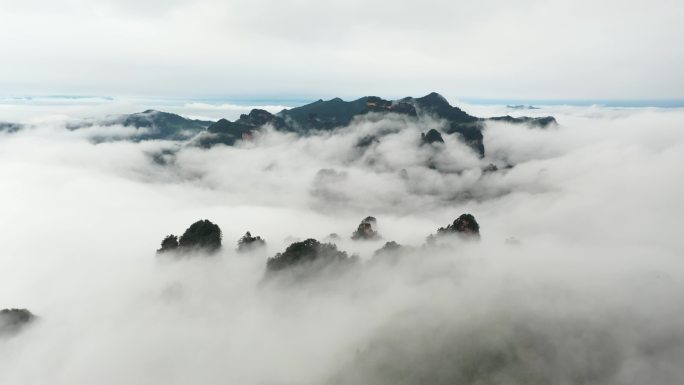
(301, 100)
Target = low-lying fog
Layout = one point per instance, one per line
(589, 292)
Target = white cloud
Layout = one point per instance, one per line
(596, 280)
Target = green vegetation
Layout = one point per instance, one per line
(464, 225)
(317, 116)
(227, 132)
(249, 243)
(367, 230)
(324, 115)
(306, 253)
(170, 243)
(202, 235)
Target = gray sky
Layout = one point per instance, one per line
(580, 49)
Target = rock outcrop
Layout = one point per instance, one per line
(379, 105)
(465, 225)
(367, 230)
(458, 122)
(307, 252)
(169, 243)
(249, 243)
(201, 236)
(227, 132)
(431, 137)
(13, 320)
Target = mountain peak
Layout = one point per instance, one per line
(259, 112)
(434, 94)
(434, 98)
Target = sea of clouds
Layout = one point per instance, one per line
(587, 289)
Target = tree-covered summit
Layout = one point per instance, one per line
(203, 236)
(306, 252)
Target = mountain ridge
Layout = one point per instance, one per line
(318, 116)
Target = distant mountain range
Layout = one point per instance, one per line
(152, 125)
(305, 120)
(10, 127)
(331, 114)
(521, 107)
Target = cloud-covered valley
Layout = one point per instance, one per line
(577, 277)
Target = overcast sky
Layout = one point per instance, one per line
(581, 49)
